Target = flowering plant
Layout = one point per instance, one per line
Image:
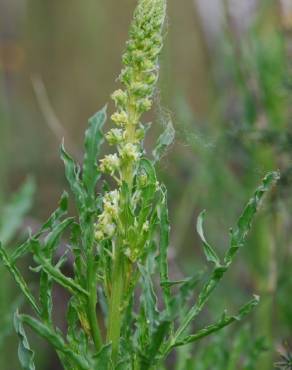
(121, 237)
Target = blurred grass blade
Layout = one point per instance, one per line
(93, 141)
(12, 214)
(25, 354)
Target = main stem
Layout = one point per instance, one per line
(118, 277)
(92, 298)
(115, 315)
(92, 301)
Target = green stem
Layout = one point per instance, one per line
(115, 317)
(92, 301)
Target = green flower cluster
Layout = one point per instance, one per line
(139, 76)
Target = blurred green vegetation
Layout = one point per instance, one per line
(229, 97)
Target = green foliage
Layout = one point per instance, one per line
(120, 239)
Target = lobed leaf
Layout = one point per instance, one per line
(239, 235)
(72, 172)
(93, 141)
(51, 242)
(25, 354)
(237, 240)
(27, 246)
(223, 322)
(148, 298)
(208, 250)
(150, 356)
(57, 275)
(18, 278)
(55, 339)
(58, 214)
(46, 297)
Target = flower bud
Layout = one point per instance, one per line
(130, 152)
(110, 163)
(114, 136)
(120, 98)
(120, 118)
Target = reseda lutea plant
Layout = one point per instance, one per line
(121, 238)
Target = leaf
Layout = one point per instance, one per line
(93, 140)
(25, 354)
(18, 278)
(102, 360)
(148, 298)
(237, 240)
(57, 275)
(55, 339)
(76, 336)
(72, 172)
(172, 283)
(12, 214)
(51, 243)
(239, 235)
(59, 212)
(179, 301)
(26, 247)
(54, 237)
(163, 142)
(46, 297)
(156, 340)
(208, 250)
(163, 247)
(223, 322)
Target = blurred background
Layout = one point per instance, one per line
(226, 83)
